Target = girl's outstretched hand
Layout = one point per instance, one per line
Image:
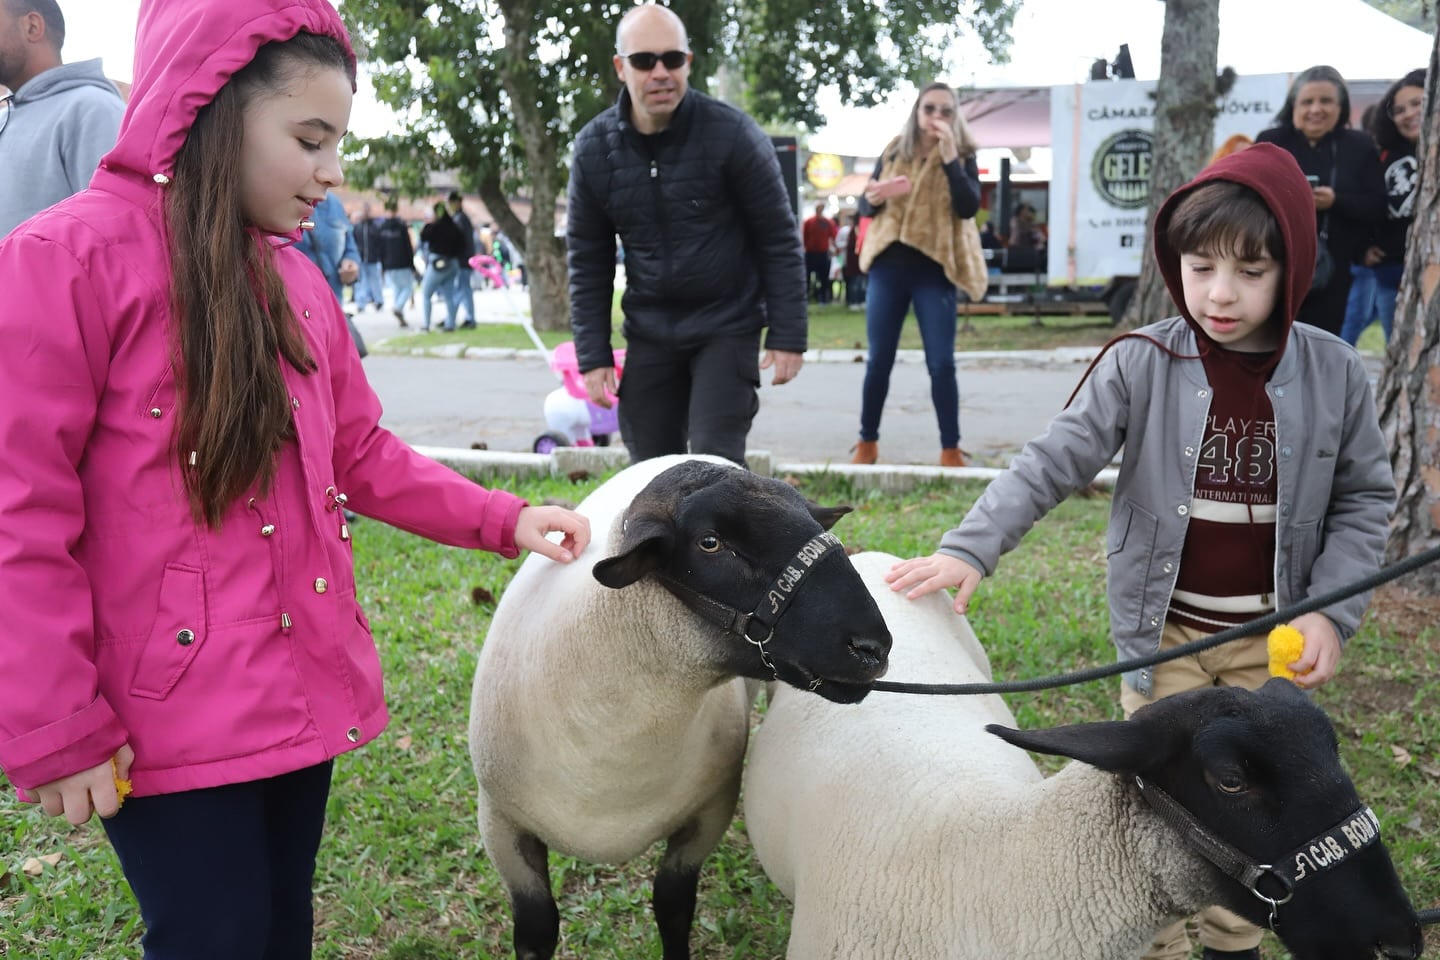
(90, 791)
(924, 575)
(534, 522)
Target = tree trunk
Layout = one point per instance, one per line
(1184, 129)
(1409, 391)
(544, 253)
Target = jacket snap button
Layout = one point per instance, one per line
(268, 529)
(295, 402)
(1154, 621)
(353, 734)
(156, 412)
(185, 637)
(320, 585)
(1169, 567)
(1182, 510)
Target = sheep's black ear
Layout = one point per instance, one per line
(646, 543)
(1120, 746)
(827, 516)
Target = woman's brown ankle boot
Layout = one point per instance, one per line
(953, 457)
(866, 451)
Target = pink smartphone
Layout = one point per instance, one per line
(894, 187)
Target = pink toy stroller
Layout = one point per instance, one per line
(570, 418)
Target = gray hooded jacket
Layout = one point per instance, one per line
(60, 124)
(1149, 394)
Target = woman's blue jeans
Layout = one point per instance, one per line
(441, 281)
(891, 290)
(1373, 291)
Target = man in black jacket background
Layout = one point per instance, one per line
(693, 188)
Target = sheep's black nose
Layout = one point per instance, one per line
(1406, 942)
(871, 650)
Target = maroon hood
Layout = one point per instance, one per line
(1272, 173)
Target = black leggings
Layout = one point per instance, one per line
(225, 873)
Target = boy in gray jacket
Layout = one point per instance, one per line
(1254, 475)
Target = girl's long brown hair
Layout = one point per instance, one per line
(232, 313)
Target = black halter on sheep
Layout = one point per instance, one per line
(901, 829)
(608, 715)
(752, 555)
(1259, 771)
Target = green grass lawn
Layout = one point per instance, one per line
(834, 327)
(401, 873)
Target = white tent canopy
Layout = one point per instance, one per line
(1056, 41)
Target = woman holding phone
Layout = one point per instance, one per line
(1344, 171)
(921, 246)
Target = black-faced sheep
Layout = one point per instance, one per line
(607, 713)
(900, 828)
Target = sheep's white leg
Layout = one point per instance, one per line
(522, 860)
(678, 878)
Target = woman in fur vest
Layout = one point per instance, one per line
(921, 246)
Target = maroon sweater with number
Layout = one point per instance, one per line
(1227, 566)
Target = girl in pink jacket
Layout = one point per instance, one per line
(184, 420)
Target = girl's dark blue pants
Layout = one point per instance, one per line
(225, 873)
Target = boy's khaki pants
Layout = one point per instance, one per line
(1244, 663)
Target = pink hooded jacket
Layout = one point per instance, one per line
(222, 655)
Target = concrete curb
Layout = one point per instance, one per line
(1060, 355)
(568, 461)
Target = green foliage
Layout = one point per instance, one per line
(1417, 13)
(443, 63)
(788, 49)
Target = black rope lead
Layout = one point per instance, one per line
(1256, 626)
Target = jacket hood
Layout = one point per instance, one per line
(1273, 174)
(185, 51)
(67, 76)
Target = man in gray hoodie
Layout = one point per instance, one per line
(56, 119)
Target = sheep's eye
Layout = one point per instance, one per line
(709, 543)
(1231, 783)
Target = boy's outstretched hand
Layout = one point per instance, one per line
(534, 522)
(922, 575)
(1321, 655)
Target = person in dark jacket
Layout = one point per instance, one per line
(397, 259)
(1349, 186)
(442, 243)
(464, 293)
(370, 288)
(693, 188)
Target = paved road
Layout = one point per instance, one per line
(457, 402)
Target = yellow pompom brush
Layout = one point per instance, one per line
(122, 787)
(1285, 645)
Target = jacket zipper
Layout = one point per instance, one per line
(660, 217)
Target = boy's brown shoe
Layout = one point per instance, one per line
(953, 457)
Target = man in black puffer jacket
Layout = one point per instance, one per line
(693, 188)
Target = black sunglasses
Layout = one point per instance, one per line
(9, 101)
(673, 59)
